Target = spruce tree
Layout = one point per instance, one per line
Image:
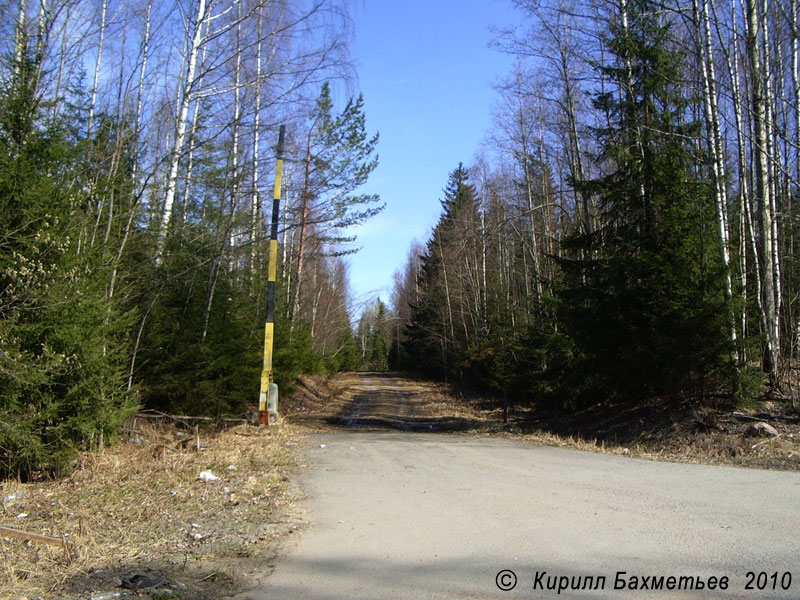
(645, 305)
(379, 340)
(62, 334)
(435, 341)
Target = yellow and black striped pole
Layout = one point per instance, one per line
(268, 398)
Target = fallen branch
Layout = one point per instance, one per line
(744, 417)
(188, 418)
(35, 537)
(765, 417)
(775, 437)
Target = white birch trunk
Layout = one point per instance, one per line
(62, 59)
(185, 94)
(629, 93)
(447, 294)
(92, 104)
(764, 185)
(255, 205)
(711, 109)
(483, 269)
(748, 236)
(19, 38)
(796, 80)
(771, 153)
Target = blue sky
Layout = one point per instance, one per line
(426, 72)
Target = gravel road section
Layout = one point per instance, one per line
(409, 515)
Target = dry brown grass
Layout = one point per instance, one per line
(139, 507)
(725, 449)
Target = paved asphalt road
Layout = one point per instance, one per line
(401, 515)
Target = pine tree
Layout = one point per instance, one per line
(338, 158)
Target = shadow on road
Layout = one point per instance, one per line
(370, 413)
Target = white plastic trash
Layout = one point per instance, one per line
(207, 476)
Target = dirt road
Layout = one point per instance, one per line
(384, 401)
(395, 513)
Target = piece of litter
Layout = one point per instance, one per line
(322, 445)
(195, 525)
(22, 515)
(139, 581)
(233, 468)
(207, 476)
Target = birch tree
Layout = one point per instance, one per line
(764, 187)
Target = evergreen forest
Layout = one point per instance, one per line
(626, 231)
(138, 162)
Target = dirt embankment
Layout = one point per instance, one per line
(687, 432)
